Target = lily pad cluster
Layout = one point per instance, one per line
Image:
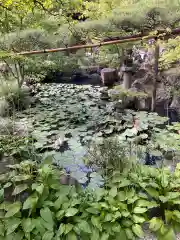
(77, 114)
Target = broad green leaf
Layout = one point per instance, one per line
(46, 215)
(172, 195)
(39, 226)
(62, 229)
(13, 209)
(20, 178)
(27, 225)
(7, 185)
(19, 235)
(127, 223)
(169, 235)
(48, 236)
(113, 192)
(95, 234)
(12, 225)
(152, 192)
(116, 227)
(68, 228)
(84, 226)
(30, 202)
(138, 219)
(92, 210)
(138, 230)
(121, 196)
(47, 225)
(142, 203)
(163, 199)
(38, 187)
(71, 236)
(71, 212)
(105, 236)
(19, 188)
(108, 217)
(129, 233)
(155, 224)
(139, 210)
(96, 222)
(2, 229)
(60, 214)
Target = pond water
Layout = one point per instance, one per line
(75, 115)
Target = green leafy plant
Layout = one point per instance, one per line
(161, 186)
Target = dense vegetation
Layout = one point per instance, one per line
(50, 131)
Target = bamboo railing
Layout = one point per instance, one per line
(124, 39)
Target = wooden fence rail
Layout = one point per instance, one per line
(124, 39)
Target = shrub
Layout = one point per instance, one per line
(13, 98)
(40, 207)
(111, 154)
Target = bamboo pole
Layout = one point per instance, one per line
(124, 39)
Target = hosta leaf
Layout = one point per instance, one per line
(122, 196)
(21, 178)
(95, 234)
(48, 236)
(46, 215)
(20, 188)
(39, 226)
(138, 219)
(108, 217)
(84, 226)
(105, 236)
(140, 210)
(68, 228)
(96, 222)
(71, 236)
(113, 192)
(129, 233)
(12, 225)
(60, 214)
(7, 185)
(71, 212)
(152, 192)
(13, 209)
(92, 210)
(138, 230)
(169, 235)
(38, 187)
(155, 224)
(163, 199)
(2, 229)
(27, 225)
(30, 202)
(19, 235)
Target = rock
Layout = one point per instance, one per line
(104, 96)
(94, 79)
(109, 76)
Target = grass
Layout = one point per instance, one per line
(12, 98)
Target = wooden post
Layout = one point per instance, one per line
(155, 78)
(127, 79)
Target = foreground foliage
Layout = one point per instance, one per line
(34, 205)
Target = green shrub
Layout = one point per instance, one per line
(162, 187)
(40, 207)
(13, 98)
(111, 154)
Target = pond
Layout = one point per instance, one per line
(67, 117)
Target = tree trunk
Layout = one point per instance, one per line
(156, 71)
(109, 76)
